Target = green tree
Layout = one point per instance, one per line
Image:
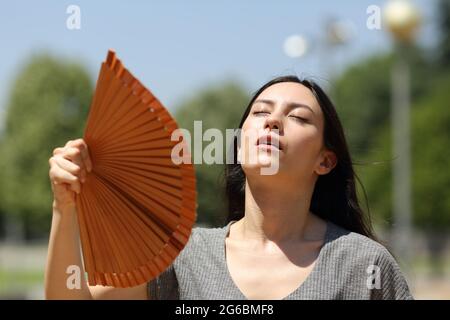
(48, 105)
(218, 107)
(430, 128)
(363, 96)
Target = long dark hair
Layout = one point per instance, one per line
(334, 197)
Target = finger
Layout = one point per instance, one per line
(71, 167)
(57, 151)
(60, 176)
(81, 144)
(74, 155)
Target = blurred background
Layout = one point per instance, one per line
(386, 64)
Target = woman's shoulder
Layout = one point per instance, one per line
(202, 234)
(359, 249)
(202, 240)
(364, 259)
(349, 239)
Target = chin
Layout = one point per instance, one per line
(266, 165)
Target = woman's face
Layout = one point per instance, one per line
(288, 116)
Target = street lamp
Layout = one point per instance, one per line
(295, 46)
(402, 20)
(336, 33)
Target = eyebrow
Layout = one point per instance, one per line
(291, 105)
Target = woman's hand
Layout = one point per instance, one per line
(69, 166)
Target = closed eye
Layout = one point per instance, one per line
(299, 118)
(260, 112)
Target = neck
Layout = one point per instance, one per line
(278, 213)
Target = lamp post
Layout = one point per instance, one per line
(402, 20)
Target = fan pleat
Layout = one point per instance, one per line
(131, 226)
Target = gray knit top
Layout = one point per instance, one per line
(349, 266)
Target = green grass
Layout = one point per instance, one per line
(12, 281)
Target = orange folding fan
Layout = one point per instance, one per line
(137, 208)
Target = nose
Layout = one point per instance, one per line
(273, 123)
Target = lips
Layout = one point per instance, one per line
(270, 140)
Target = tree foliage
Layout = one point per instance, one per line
(48, 105)
(218, 107)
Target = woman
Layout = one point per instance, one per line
(296, 233)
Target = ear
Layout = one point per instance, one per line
(327, 162)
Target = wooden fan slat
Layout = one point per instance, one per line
(147, 180)
(121, 142)
(102, 105)
(123, 256)
(171, 196)
(136, 278)
(144, 145)
(169, 172)
(187, 219)
(189, 183)
(162, 232)
(134, 155)
(86, 238)
(166, 257)
(110, 58)
(118, 68)
(186, 170)
(154, 270)
(181, 239)
(185, 230)
(164, 117)
(98, 247)
(113, 247)
(100, 279)
(137, 137)
(155, 161)
(127, 78)
(94, 111)
(151, 200)
(158, 143)
(157, 107)
(189, 198)
(89, 244)
(125, 117)
(137, 115)
(172, 172)
(124, 280)
(112, 98)
(138, 170)
(111, 94)
(140, 273)
(188, 180)
(143, 237)
(160, 264)
(152, 153)
(170, 125)
(151, 134)
(147, 97)
(115, 109)
(140, 149)
(108, 280)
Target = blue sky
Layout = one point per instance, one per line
(177, 47)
